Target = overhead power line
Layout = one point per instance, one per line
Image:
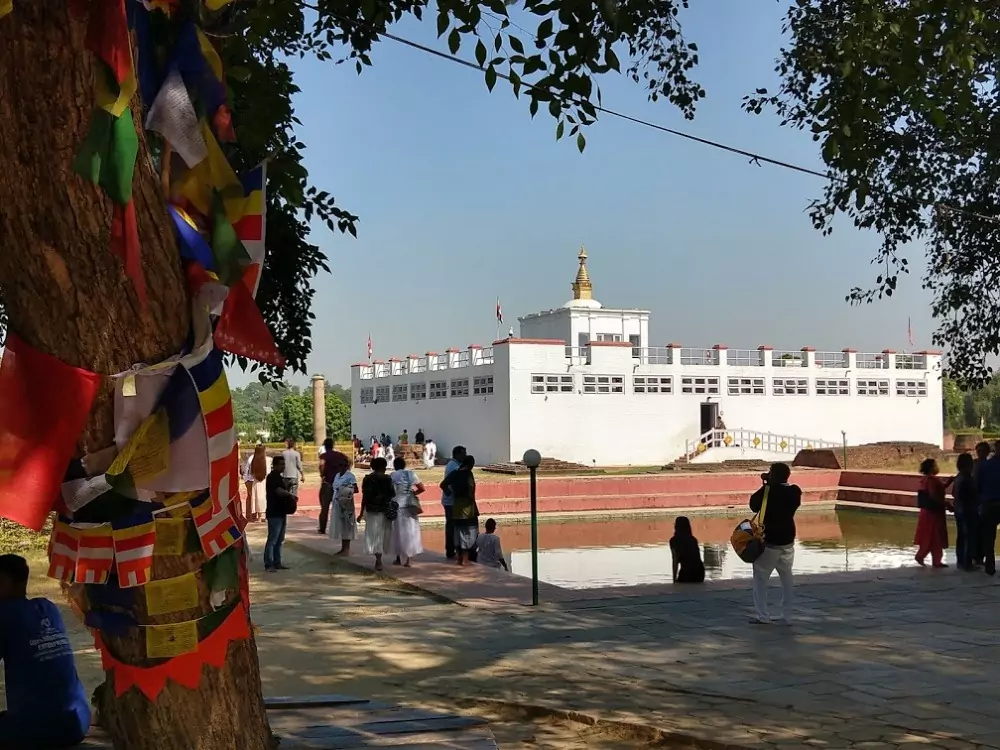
(753, 157)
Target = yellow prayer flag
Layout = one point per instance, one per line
(171, 533)
(216, 4)
(147, 452)
(166, 641)
(213, 173)
(7, 6)
(171, 594)
(107, 97)
(208, 49)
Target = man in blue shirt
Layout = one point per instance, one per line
(46, 704)
(457, 456)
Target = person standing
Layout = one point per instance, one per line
(377, 492)
(461, 483)
(931, 535)
(778, 520)
(457, 456)
(419, 437)
(389, 454)
(254, 474)
(406, 528)
(331, 463)
(404, 438)
(966, 513)
(47, 707)
(280, 504)
(293, 467)
(343, 525)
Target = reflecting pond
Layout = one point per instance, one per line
(601, 552)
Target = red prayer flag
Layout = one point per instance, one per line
(242, 330)
(125, 244)
(44, 405)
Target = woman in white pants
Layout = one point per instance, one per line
(783, 500)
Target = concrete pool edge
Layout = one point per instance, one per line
(479, 587)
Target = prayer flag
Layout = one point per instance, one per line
(62, 551)
(209, 378)
(6, 6)
(173, 116)
(229, 252)
(192, 245)
(251, 229)
(370, 350)
(189, 469)
(242, 329)
(134, 553)
(44, 405)
(499, 313)
(909, 332)
(217, 528)
(95, 554)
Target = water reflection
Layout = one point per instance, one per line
(602, 552)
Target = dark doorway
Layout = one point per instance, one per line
(709, 416)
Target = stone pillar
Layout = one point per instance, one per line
(319, 408)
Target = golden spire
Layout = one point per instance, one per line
(582, 288)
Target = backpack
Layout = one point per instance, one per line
(748, 537)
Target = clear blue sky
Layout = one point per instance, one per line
(463, 198)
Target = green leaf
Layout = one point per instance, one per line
(559, 130)
(545, 29)
(515, 44)
(442, 23)
(491, 77)
(581, 142)
(533, 108)
(480, 53)
(454, 41)
(612, 60)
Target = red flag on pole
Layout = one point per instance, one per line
(44, 405)
(370, 350)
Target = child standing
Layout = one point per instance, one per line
(490, 550)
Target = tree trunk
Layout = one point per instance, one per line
(67, 295)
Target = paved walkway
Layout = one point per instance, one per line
(895, 659)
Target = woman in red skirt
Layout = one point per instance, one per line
(932, 526)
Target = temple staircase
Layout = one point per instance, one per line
(742, 445)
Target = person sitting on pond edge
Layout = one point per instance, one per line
(47, 707)
(686, 562)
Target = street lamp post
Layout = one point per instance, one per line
(532, 459)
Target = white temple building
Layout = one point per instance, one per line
(582, 383)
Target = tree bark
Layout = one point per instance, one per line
(67, 295)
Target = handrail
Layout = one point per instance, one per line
(748, 439)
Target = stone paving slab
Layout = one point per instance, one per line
(903, 658)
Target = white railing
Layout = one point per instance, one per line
(754, 440)
(462, 360)
(911, 361)
(831, 359)
(745, 357)
(381, 370)
(487, 356)
(418, 365)
(654, 355)
(781, 358)
(367, 372)
(578, 355)
(437, 362)
(871, 360)
(699, 357)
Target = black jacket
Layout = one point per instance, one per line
(779, 518)
(280, 502)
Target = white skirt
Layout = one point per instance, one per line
(378, 534)
(406, 534)
(344, 525)
(256, 503)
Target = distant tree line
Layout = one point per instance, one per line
(974, 409)
(278, 411)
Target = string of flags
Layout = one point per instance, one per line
(170, 481)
